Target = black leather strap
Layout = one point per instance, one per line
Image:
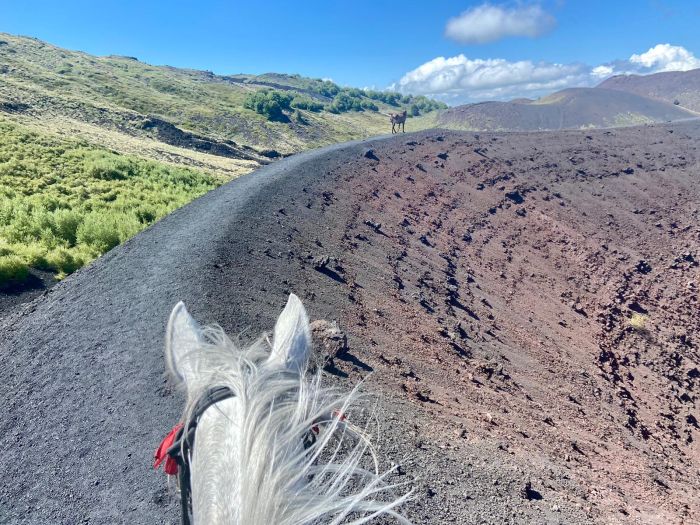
(184, 441)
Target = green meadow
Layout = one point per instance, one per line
(65, 202)
(95, 149)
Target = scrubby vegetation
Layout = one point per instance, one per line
(348, 101)
(275, 104)
(63, 203)
(256, 111)
(309, 104)
(421, 105)
(638, 321)
(270, 103)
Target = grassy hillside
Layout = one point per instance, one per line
(94, 149)
(64, 202)
(129, 97)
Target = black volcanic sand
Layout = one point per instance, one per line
(13, 294)
(675, 87)
(486, 281)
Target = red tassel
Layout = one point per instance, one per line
(162, 452)
(170, 466)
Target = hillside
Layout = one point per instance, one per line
(64, 202)
(575, 108)
(95, 149)
(185, 116)
(675, 87)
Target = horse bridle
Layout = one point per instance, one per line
(181, 447)
(184, 441)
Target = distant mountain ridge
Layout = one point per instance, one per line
(676, 87)
(622, 100)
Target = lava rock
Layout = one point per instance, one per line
(369, 154)
(515, 196)
(328, 337)
(643, 267)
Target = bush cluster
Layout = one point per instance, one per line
(351, 100)
(275, 104)
(270, 103)
(307, 103)
(420, 105)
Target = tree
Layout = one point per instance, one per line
(302, 102)
(269, 103)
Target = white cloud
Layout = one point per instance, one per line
(602, 71)
(460, 79)
(665, 57)
(488, 23)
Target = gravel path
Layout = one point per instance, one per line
(82, 369)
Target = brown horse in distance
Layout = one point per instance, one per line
(400, 119)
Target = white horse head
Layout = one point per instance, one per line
(251, 462)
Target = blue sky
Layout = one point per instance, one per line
(493, 50)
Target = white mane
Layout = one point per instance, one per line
(249, 464)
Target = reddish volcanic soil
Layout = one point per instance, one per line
(492, 280)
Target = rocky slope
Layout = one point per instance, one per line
(575, 108)
(540, 291)
(527, 305)
(675, 87)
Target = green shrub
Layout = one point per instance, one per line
(13, 268)
(326, 88)
(146, 214)
(32, 223)
(343, 103)
(64, 261)
(109, 169)
(421, 105)
(307, 103)
(269, 103)
(418, 105)
(34, 254)
(354, 92)
(104, 231)
(66, 223)
(387, 97)
(367, 104)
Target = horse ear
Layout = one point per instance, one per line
(291, 341)
(183, 336)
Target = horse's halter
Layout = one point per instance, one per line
(180, 442)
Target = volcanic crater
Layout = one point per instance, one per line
(539, 291)
(526, 303)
